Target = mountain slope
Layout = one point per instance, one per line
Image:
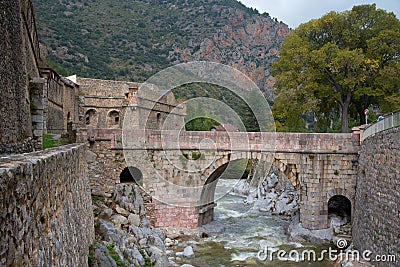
(131, 40)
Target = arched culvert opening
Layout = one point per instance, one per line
(339, 210)
(131, 175)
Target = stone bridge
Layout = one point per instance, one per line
(180, 170)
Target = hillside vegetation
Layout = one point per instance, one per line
(131, 40)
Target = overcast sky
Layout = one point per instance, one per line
(295, 12)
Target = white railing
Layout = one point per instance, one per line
(391, 120)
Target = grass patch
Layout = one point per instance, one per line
(91, 255)
(97, 198)
(114, 255)
(48, 141)
(147, 261)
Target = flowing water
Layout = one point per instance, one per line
(246, 233)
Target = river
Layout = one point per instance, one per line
(246, 233)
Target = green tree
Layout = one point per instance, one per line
(337, 62)
(201, 120)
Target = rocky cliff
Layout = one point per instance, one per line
(131, 40)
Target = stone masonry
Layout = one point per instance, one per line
(15, 128)
(376, 220)
(320, 166)
(46, 216)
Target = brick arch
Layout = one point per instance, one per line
(340, 192)
(226, 158)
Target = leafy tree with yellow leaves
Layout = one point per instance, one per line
(339, 64)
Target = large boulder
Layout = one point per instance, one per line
(129, 198)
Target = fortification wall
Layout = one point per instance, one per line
(376, 221)
(15, 120)
(46, 217)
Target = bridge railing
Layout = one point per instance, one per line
(223, 141)
(391, 120)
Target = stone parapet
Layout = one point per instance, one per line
(46, 217)
(234, 141)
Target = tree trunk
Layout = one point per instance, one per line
(345, 112)
(345, 118)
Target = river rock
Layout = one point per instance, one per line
(242, 188)
(145, 223)
(101, 193)
(134, 255)
(336, 221)
(171, 262)
(298, 233)
(102, 258)
(134, 219)
(119, 219)
(121, 211)
(188, 252)
(107, 230)
(160, 233)
(168, 242)
(129, 197)
(187, 265)
(272, 180)
(106, 214)
(212, 228)
(249, 199)
(158, 256)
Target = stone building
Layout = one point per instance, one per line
(54, 104)
(34, 99)
(105, 104)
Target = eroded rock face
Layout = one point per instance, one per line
(129, 197)
(297, 232)
(275, 195)
(124, 233)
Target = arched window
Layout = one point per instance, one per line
(113, 119)
(131, 175)
(91, 117)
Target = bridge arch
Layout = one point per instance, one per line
(341, 191)
(207, 198)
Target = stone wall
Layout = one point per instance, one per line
(14, 98)
(46, 215)
(53, 115)
(376, 221)
(31, 41)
